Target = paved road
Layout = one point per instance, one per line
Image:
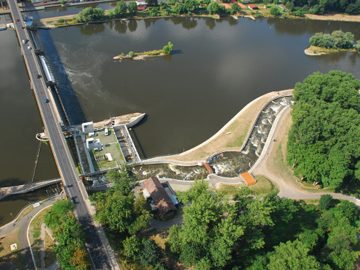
(100, 253)
(22, 225)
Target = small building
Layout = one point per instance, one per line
(253, 7)
(87, 127)
(141, 5)
(93, 144)
(109, 157)
(160, 201)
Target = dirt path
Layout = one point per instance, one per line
(273, 167)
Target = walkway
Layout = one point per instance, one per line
(288, 188)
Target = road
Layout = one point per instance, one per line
(22, 225)
(99, 251)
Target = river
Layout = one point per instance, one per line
(219, 67)
(20, 122)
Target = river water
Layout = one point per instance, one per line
(20, 122)
(219, 67)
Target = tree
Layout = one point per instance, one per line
(168, 48)
(215, 8)
(275, 11)
(235, 8)
(141, 250)
(90, 14)
(152, 2)
(120, 9)
(292, 255)
(132, 8)
(118, 208)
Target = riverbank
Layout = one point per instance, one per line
(334, 17)
(229, 138)
(318, 51)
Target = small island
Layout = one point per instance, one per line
(166, 50)
(337, 41)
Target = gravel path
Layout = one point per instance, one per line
(287, 185)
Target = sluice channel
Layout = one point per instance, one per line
(226, 164)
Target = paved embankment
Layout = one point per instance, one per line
(232, 137)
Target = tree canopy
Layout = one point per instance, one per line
(263, 232)
(119, 209)
(325, 6)
(323, 142)
(90, 14)
(336, 40)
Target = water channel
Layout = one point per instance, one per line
(220, 67)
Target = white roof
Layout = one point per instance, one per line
(108, 157)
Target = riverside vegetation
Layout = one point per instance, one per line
(322, 43)
(166, 50)
(246, 232)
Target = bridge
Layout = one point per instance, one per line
(100, 253)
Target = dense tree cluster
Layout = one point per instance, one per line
(323, 144)
(119, 209)
(264, 233)
(127, 216)
(90, 14)
(324, 6)
(70, 246)
(335, 40)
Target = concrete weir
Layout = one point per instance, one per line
(20, 189)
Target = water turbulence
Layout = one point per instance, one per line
(231, 164)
